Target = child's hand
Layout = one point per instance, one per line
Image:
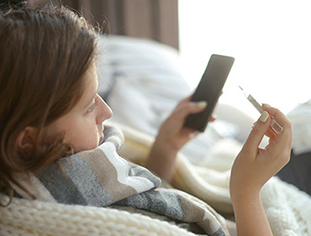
(171, 138)
(253, 167)
(172, 131)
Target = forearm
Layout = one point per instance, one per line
(161, 160)
(253, 167)
(250, 216)
(171, 138)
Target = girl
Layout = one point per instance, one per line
(55, 148)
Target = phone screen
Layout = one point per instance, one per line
(209, 89)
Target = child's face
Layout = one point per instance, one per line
(83, 124)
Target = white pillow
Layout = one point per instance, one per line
(137, 59)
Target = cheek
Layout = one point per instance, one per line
(69, 127)
(84, 135)
(79, 131)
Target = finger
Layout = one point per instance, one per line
(271, 134)
(281, 143)
(185, 109)
(212, 118)
(277, 114)
(258, 132)
(186, 99)
(282, 120)
(183, 103)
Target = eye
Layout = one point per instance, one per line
(92, 107)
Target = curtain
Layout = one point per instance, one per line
(155, 19)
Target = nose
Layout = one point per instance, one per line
(104, 112)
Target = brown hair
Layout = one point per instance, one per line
(44, 54)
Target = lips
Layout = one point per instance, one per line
(101, 133)
(101, 139)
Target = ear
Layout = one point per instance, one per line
(25, 140)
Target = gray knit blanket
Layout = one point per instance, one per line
(101, 178)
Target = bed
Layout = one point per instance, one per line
(142, 81)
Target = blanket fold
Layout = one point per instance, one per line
(101, 178)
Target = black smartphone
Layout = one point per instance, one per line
(209, 89)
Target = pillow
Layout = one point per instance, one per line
(137, 58)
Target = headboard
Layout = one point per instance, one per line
(154, 19)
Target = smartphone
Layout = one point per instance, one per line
(209, 89)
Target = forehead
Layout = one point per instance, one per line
(91, 75)
(90, 86)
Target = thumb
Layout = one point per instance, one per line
(258, 132)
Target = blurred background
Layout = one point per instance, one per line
(270, 40)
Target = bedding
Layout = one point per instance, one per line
(287, 208)
(298, 170)
(143, 80)
(301, 121)
(128, 185)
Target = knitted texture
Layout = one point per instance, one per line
(101, 178)
(288, 209)
(25, 217)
